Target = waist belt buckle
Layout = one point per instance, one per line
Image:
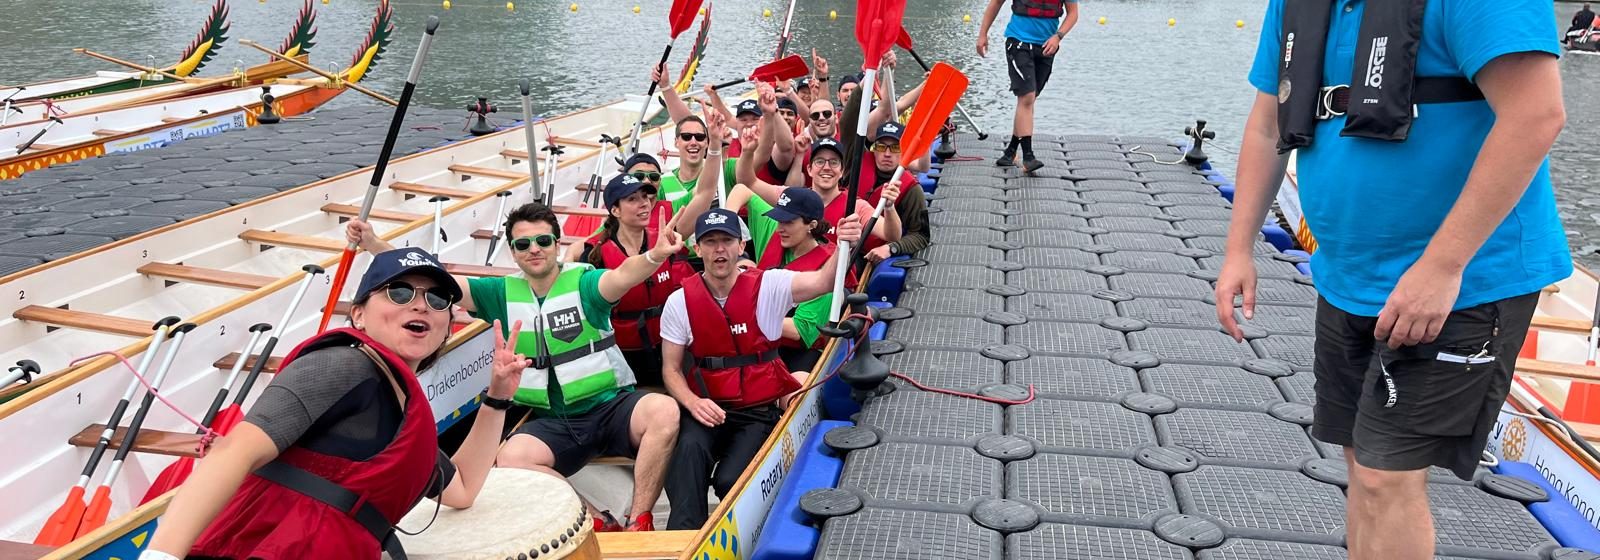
(1325, 108)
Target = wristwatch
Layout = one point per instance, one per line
(894, 248)
(1061, 34)
(494, 403)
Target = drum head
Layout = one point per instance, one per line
(517, 512)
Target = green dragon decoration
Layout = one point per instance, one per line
(371, 50)
(300, 37)
(205, 45)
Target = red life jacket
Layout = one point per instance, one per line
(907, 182)
(270, 521)
(736, 366)
(836, 210)
(1039, 8)
(636, 317)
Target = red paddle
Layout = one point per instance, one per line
(786, 68)
(904, 42)
(680, 18)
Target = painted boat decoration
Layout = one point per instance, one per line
(213, 33)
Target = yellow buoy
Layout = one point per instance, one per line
(324, 1)
(636, 9)
(446, 4)
(1239, 24)
(1102, 20)
(511, 7)
(833, 14)
(766, 12)
(1172, 21)
(702, 10)
(966, 18)
(573, 7)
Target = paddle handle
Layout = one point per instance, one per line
(283, 326)
(494, 242)
(172, 348)
(532, 149)
(233, 374)
(638, 125)
(847, 257)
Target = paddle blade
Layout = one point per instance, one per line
(877, 27)
(904, 40)
(346, 260)
(581, 226)
(682, 15)
(95, 515)
(786, 68)
(62, 526)
(944, 88)
(170, 477)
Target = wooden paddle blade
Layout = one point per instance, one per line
(877, 27)
(944, 88)
(682, 15)
(170, 477)
(62, 526)
(904, 40)
(786, 68)
(95, 515)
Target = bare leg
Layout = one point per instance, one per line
(1390, 509)
(1352, 524)
(1022, 123)
(524, 451)
(654, 429)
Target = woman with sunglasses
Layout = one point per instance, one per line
(344, 421)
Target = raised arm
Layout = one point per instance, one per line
(808, 285)
(677, 110)
(616, 282)
(714, 101)
(745, 172)
(777, 140)
(477, 452)
(709, 183)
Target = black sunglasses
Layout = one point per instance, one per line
(646, 176)
(819, 115)
(544, 240)
(690, 136)
(401, 293)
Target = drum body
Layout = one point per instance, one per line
(519, 513)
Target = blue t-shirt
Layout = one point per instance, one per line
(1374, 205)
(1034, 30)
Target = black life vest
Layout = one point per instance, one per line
(1039, 8)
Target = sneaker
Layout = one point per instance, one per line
(605, 523)
(644, 522)
(1006, 160)
(1030, 164)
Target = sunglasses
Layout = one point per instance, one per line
(544, 240)
(401, 293)
(819, 115)
(646, 176)
(886, 148)
(691, 137)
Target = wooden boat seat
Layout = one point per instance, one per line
(1544, 323)
(478, 270)
(57, 318)
(170, 119)
(269, 239)
(1577, 372)
(470, 171)
(226, 363)
(651, 544)
(415, 189)
(175, 273)
(43, 147)
(12, 550)
(109, 132)
(615, 461)
(149, 441)
(1551, 289)
(581, 211)
(351, 211)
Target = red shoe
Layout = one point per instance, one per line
(645, 522)
(605, 523)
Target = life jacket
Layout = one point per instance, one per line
(733, 361)
(836, 210)
(907, 182)
(814, 259)
(557, 334)
(1039, 8)
(1379, 102)
(269, 520)
(636, 318)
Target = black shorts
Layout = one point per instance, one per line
(1028, 66)
(1429, 404)
(576, 440)
(646, 366)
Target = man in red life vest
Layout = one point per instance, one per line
(736, 381)
(911, 205)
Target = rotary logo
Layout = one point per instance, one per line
(786, 447)
(1516, 440)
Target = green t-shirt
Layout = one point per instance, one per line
(809, 315)
(489, 296)
(684, 190)
(761, 227)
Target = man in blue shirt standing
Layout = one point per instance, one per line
(1425, 181)
(1032, 39)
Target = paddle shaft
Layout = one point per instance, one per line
(233, 374)
(348, 258)
(438, 221)
(133, 65)
(122, 406)
(320, 72)
(1594, 330)
(594, 178)
(638, 125)
(532, 149)
(494, 241)
(47, 126)
(272, 342)
(11, 376)
(783, 40)
(979, 129)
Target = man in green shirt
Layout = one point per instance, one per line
(577, 386)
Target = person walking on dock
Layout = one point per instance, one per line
(1423, 173)
(1580, 21)
(1032, 40)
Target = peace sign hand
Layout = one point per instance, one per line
(508, 364)
(669, 241)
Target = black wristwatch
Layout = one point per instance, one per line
(494, 403)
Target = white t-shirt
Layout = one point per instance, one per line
(772, 305)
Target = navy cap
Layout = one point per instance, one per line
(786, 103)
(826, 144)
(623, 185)
(639, 158)
(850, 79)
(394, 263)
(797, 202)
(747, 106)
(803, 82)
(890, 129)
(719, 219)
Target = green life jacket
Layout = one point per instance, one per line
(557, 334)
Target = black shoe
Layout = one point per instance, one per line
(1030, 164)
(1007, 159)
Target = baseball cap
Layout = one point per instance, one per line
(890, 129)
(850, 79)
(826, 144)
(719, 219)
(797, 202)
(786, 103)
(394, 263)
(747, 106)
(623, 185)
(639, 158)
(803, 82)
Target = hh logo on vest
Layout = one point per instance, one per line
(740, 328)
(663, 276)
(565, 324)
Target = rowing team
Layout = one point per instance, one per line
(339, 446)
